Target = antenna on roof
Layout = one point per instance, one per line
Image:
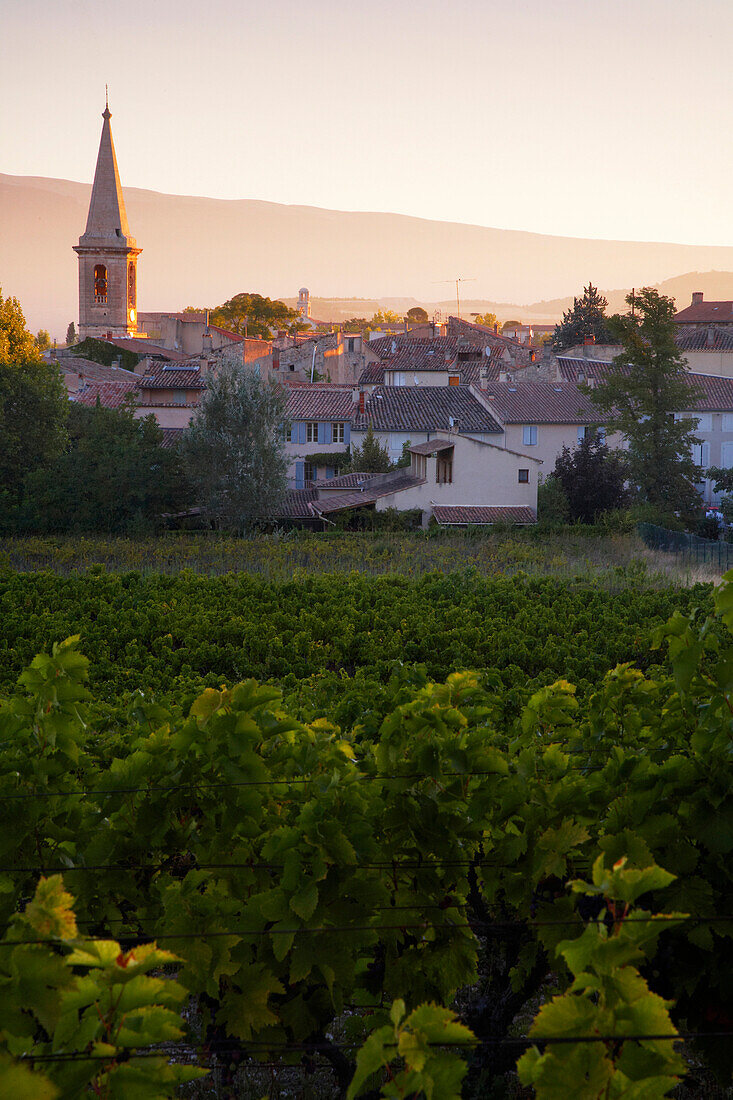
(457, 281)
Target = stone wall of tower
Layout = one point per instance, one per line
(113, 316)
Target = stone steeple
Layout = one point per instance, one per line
(107, 252)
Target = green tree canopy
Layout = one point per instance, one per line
(385, 317)
(33, 410)
(592, 478)
(649, 383)
(43, 340)
(71, 334)
(488, 319)
(17, 345)
(233, 451)
(586, 318)
(114, 476)
(417, 315)
(371, 457)
(253, 315)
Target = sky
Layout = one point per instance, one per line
(584, 118)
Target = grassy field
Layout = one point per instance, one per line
(611, 561)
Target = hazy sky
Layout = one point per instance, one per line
(598, 118)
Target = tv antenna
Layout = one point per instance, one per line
(458, 282)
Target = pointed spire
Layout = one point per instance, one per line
(107, 218)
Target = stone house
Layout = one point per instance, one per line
(317, 426)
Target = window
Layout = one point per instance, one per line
(311, 431)
(179, 397)
(453, 380)
(582, 433)
(288, 433)
(100, 284)
(309, 472)
(444, 470)
(523, 476)
(529, 435)
(727, 422)
(131, 285)
(701, 454)
(398, 378)
(337, 433)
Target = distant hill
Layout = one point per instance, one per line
(201, 251)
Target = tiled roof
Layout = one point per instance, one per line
(540, 403)
(456, 514)
(576, 369)
(94, 372)
(378, 486)
(171, 436)
(700, 312)
(432, 447)
(112, 395)
(297, 504)
(430, 354)
(179, 378)
(145, 347)
(345, 481)
(714, 394)
(373, 374)
(459, 324)
(711, 339)
(428, 408)
(319, 403)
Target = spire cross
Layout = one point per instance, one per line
(106, 113)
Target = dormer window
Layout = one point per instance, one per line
(100, 284)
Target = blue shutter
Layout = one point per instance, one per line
(347, 433)
(330, 472)
(301, 431)
(327, 433)
(299, 475)
(321, 432)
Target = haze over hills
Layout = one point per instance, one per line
(202, 251)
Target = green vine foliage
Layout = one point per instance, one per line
(79, 1009)
(307, 875)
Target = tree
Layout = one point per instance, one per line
(487, 319)
(253, 315)
(233, 450)
(510, 324)
(43, 340)
(646, 387)
(114, 476)
(71, 334)
(592, 478)
(385, 317)
(355, 324)
(371, 457)
(33, 409)
(17, 345)
(417, 315)
(586, 318)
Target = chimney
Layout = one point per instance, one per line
(589, 339)
(447, 355)
(496, 327)
(207, 343)
(710, 336)
(483, 377)
(276, 358)
(206, 320)
(361, 401)
(406, 325)
(697, 296)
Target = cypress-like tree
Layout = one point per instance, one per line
(586, 318)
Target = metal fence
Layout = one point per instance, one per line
(690, 548)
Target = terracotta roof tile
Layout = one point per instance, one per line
(171, 436)
(540, 403)
(380, 485)
(297, 504)
(345, 481)
(145, 347)
(462, 515)
(710, 339)
(432, 447)
(94, 372)
(174, 377)
(112, 395)
(319, 403)
(701, 312)
(428, 408)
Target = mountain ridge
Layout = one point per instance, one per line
(197, 249)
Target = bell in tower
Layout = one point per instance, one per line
(107, 253)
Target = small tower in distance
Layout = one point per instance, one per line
(107, 253)
(304, 302)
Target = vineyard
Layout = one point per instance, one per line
(268, 838)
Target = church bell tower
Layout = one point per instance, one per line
(107, 253)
